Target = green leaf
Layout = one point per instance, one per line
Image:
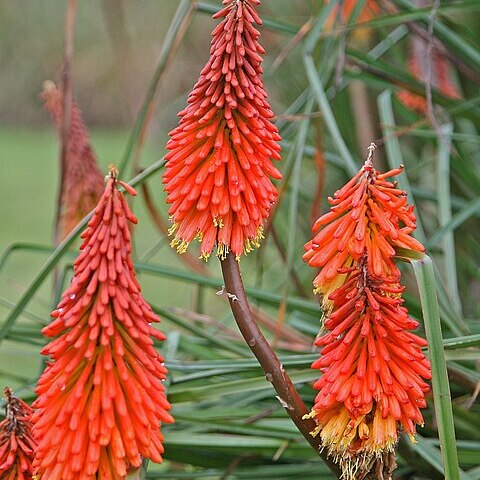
(230, 388)
(394, 153)
(201, 332)
(424, 273)
(179, 22)
(445, 213)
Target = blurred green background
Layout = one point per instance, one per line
(229, 423)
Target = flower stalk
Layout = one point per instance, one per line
(274, 370)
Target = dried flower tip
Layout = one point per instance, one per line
(82, 183)
(112, 171)
(48, 87)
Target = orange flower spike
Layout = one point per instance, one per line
(369, 214)
(101, 401)
(17, 443)
(373, 368)
(219, 168)
(83, 182)
(373, 372)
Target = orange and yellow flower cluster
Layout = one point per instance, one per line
(373, 367)
(101, 400)
(219, 168)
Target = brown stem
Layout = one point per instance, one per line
(274, 371)
(66, 88)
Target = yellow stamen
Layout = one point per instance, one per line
(353, 443)
(205, 256)
(172, 229)
(222, 251)
(218, 221)
(180, 245)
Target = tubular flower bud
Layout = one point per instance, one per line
(219, 168)
(17, 443)
(101, 401)
(368, 216)
(83, 182)
(374, 371)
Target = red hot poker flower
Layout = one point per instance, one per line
(373, 368)
(17, 444)
(373, 371)
(219, 166)
(101, 400)
(368, 215)
(83, 183)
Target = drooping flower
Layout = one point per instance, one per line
(101, 400)
(373, 368)
(219, 166)
(17, 444)
(82, 184)
(440, 75)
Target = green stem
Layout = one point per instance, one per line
(424, 272)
